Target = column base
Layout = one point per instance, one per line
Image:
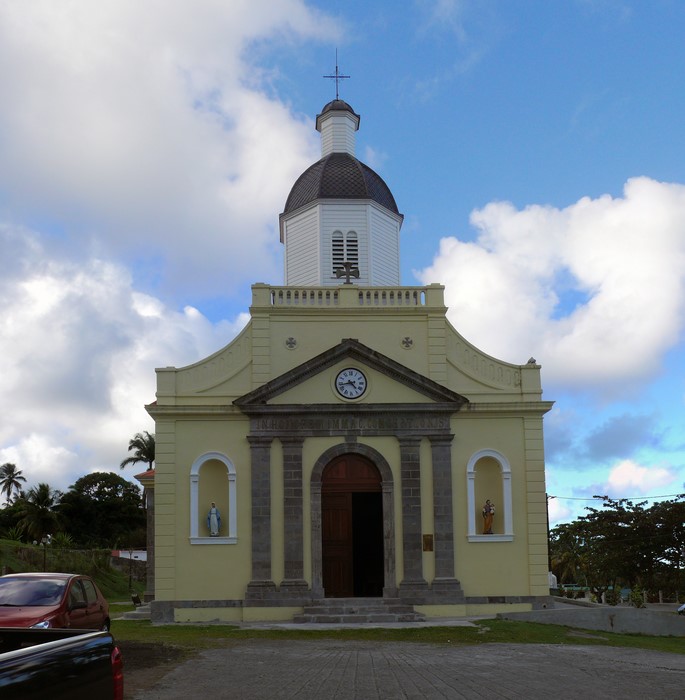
(447, 590)
(413, 591)
(259, 591)
(294, 588)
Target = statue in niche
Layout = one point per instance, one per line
(488, 517)
(213, 520)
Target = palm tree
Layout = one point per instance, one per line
(10, 480)
(37, 511)
(143, 446)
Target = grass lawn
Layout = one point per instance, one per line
(196, 637)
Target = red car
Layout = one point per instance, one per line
(52, 600)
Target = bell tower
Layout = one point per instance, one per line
(340, 222)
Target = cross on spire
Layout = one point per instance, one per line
(337, 77)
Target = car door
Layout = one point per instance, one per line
(96, 612)
(77, 609)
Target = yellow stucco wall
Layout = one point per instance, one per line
(195, 414)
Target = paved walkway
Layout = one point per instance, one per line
(354, 670)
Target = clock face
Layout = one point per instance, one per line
(350, 383)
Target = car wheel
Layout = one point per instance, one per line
(105, 626)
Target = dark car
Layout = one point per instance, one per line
(52, 600)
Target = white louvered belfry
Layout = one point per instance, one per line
(340, 211)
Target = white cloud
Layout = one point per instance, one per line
(130, 131)
(46, 459)
(136, 126)
(443, 15)
(79, 346)
(558, 511)
(629, 478)
(596, 291)
(374, 158)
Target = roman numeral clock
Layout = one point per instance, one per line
(350, 383)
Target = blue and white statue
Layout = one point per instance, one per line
(214, 520)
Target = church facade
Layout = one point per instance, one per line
(349, 443)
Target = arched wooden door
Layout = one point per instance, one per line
(352, 528)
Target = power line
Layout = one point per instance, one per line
(624, 498)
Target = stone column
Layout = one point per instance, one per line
(413, 585)
(444, 584)
(149, 495)
(261, 586)
(147, 479)
(317, 550)
(293, 548)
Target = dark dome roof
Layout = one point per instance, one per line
(339, 176)
(338, 105)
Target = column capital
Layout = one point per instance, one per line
(438, 440)
(291, 440)
(409, 440)
(259, 440)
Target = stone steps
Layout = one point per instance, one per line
(358, 610)
(140, 613)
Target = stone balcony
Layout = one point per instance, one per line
(347, 296)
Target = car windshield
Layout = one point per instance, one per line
(25, 591)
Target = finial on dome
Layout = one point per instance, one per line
(337, 77)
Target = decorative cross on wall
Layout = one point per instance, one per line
(347, 270)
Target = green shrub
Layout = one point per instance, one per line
(16, 558)
(637, 599)
(62, 540)
(612, 597)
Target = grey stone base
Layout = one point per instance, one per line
(538, 602)
(266, 594)
(294, 592)
(162, 611)
(441, 591)
(413, 592)
(260, 591)
(445, 591)
(298, 586)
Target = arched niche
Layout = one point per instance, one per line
(488, 475)
(215, 472)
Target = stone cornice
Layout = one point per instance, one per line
(510, 408)
(473, 409)
(173, 411)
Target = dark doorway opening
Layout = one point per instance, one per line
(367, 535)
(352, 528)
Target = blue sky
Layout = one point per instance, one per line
(534, 147)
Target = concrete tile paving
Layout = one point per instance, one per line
(346, 670)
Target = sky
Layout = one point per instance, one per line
(535, 148)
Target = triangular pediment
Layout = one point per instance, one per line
(354, 351)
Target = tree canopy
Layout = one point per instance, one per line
(104, 510)
(37, 510)
(100, 510)
(143, 447)
(623, 544)
(11, 480)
